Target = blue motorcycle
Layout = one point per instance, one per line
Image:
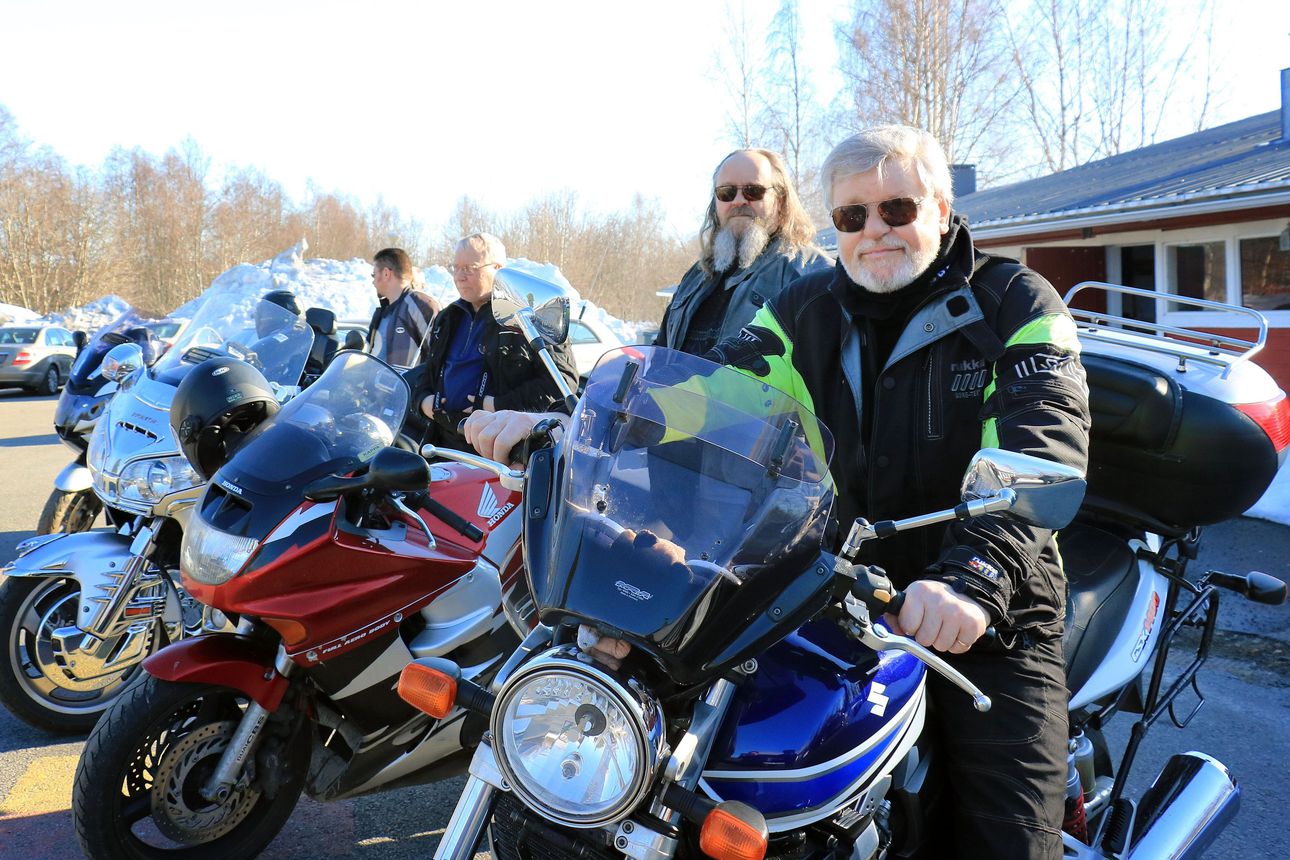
(763, 709)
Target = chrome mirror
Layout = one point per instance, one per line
(519, 297)
(1047, 494)
(121, 362)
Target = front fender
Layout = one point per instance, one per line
(224, 659)
(95, 560)
(75, 478)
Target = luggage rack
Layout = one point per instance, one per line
(1183, 343)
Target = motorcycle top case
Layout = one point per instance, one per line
(820, 720)
(1170, 454)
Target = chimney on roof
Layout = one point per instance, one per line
(963, 176)
(1285, 106)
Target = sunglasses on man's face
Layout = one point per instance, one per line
(752, 193)
(896, 212)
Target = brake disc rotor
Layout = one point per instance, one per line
(178, 809)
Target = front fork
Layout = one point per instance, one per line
(231, 762)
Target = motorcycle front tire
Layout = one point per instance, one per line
(69, 512)
(128, 750)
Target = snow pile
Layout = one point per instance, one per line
(16, 314)
(342, 286)
(1275, 503)
(92, 316)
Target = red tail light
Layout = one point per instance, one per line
(23, 357)
(1273, 416)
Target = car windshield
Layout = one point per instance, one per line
(18, 335)
(266, 335)
(355, 409)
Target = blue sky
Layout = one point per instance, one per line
(423, 102)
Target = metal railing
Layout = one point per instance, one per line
(1184, 344)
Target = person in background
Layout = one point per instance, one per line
(756, 239)
(474, 363)
(404, 315)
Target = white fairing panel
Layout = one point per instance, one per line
(1135, 644)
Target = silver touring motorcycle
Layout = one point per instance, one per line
(80, 612)
(764, 710)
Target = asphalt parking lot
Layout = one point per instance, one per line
(1245, 722)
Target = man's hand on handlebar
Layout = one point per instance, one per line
(939, 617)
(495, 434)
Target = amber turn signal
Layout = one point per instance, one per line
(428, 690)
(734, 831)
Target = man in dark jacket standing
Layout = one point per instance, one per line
(756, 239)
(403, 317)
(474, 363)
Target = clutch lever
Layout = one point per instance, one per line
(511, 479)
(871, 590)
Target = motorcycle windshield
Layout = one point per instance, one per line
(130, 327)
(688, 488)
(271, 338)
(355, 409)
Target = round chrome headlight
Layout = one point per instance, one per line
(575, 742)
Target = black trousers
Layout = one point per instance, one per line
(1006, 768)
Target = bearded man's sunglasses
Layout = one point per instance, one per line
(896, 212)
(752, 193)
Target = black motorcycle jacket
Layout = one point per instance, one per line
(985, 355)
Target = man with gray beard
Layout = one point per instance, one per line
(756, 239)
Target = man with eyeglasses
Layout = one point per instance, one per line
(403, 315)
(916, 351)
(756, 239)
(474, 363)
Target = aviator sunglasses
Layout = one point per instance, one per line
(896, 212)
(752, 193)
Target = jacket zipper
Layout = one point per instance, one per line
(930, 368)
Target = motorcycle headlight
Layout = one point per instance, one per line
(211, 556)
(576, 743)
(149, 480)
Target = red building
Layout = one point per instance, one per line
(1205, 216)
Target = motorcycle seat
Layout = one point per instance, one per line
(1102, 575)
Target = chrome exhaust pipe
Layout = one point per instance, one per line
(1188, 805)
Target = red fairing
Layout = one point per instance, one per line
(336, 586)
(229, 661)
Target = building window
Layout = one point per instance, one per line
(1200, 272)
(1265, 274)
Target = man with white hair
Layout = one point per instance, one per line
(474, 363)
(756, 239)
(916, 351)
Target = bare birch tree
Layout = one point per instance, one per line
(935, 64)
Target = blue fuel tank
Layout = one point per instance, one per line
(815, 725)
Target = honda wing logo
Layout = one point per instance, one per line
(487, 503)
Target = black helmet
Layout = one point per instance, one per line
(217, 404)
(265, 322)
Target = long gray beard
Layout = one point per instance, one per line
(727, 248)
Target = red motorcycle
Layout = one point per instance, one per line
(345, 559)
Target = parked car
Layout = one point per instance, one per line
(167, 330)
(590, 339)
(36, 357)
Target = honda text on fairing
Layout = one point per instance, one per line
(73, 505)
(344, 559)
(762, 711)
(79, 612)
